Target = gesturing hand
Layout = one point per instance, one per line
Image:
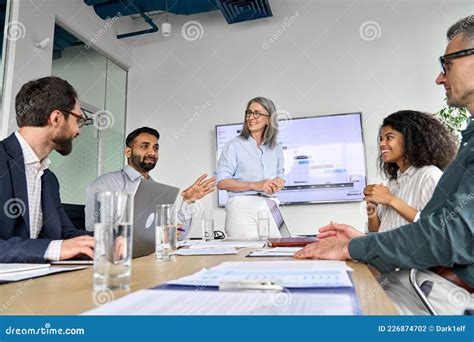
(378, 193)
(338, 229)
(200, 188)
(280, 183)
(267, 185)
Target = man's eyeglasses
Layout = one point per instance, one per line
(81, 120)
(454, 55)
(256, 114)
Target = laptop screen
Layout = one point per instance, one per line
(277, 216)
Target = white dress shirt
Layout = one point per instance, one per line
(34, 169)
(415, 187)
(125, 180)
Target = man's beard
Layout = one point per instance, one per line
(63, 145)
(141, 165)
(451, 102)
(459, 102)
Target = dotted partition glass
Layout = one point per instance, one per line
(115, 104)
(4, 26)
(101, 85)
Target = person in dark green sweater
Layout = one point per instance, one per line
(441, 243)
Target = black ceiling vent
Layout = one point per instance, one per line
(236, 11)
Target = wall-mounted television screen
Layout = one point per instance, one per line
(324, 158)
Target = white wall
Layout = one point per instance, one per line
(319, 64)
(34, 20)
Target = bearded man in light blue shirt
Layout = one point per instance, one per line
(142, 151)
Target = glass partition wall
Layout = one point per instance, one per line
(101, 85)
(7, 32)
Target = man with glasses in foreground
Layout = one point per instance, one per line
(441, 243)
(33, 226)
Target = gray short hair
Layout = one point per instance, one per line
(466, 26)
(271, 131)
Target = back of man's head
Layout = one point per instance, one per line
(465, 26)
(38, 98)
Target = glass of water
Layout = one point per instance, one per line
(207, 224)
(263, 225)
(113, 240)
(166, 232)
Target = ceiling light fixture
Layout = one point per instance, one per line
(166, 26)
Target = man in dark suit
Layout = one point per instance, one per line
(33, 226)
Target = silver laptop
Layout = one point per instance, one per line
(148, 195)
(280, 222)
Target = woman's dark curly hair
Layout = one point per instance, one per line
(427, 141)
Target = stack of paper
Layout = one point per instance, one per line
(289, 274)
(298, 274)
(168, 302)
(17, 272)
(222, 243)
(286, 265)
(275, 252)
(11, 268)
(207, 251)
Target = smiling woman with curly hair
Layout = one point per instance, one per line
(414, 149)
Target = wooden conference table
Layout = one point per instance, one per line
(71, 293)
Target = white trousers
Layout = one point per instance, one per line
(446, 297)
(242, 216)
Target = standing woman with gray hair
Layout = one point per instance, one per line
(251, 169)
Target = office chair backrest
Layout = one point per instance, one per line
(75, 212)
